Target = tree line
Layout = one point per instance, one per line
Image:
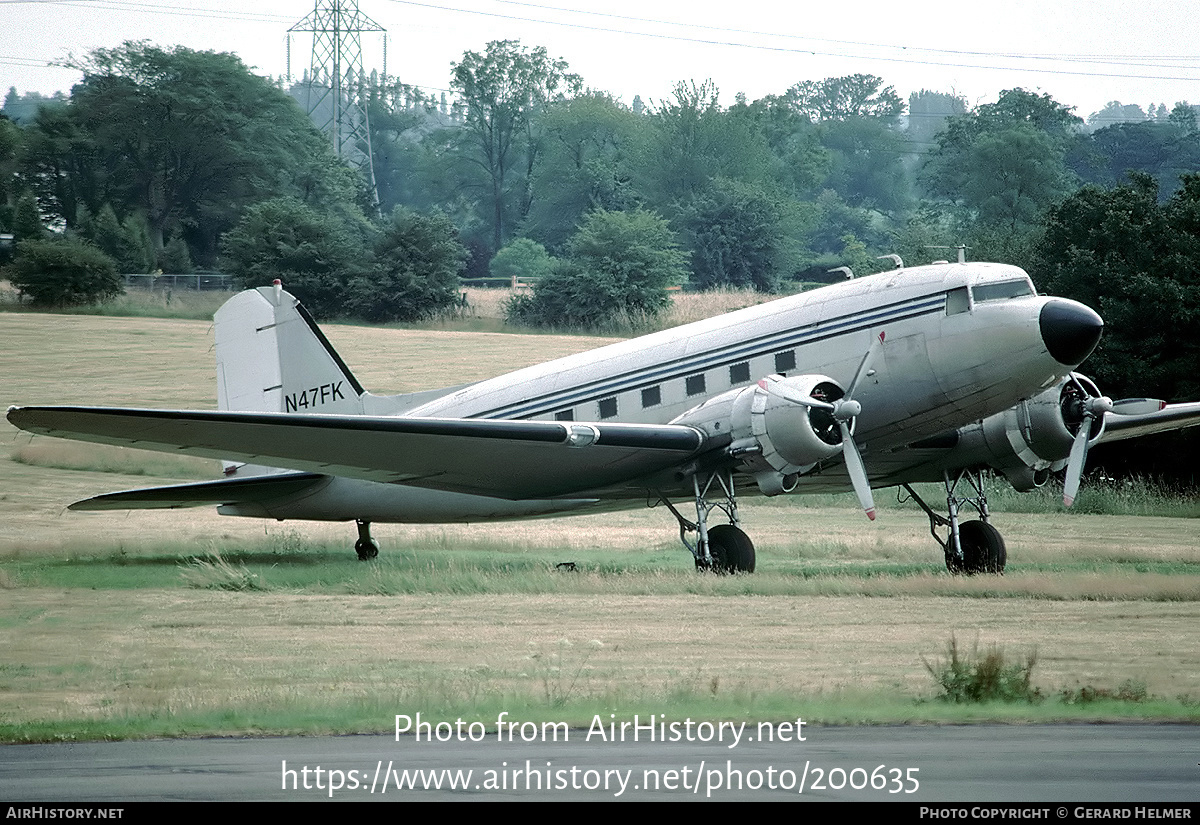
(171, 158)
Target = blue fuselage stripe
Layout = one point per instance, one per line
(726, 355)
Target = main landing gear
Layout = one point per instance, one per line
(971, 546)
(366, 547)
(722, 548)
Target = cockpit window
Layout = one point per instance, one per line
(957, 301)
(1001, 291)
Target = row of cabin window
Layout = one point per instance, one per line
(694, 385)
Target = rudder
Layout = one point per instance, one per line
(272, 357)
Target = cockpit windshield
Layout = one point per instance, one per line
(1002, 290)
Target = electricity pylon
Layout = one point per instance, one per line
(333, 94)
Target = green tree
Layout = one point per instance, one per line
(1162, 150)
(185, 138)
(23, 109)
(618, 267)
(522, 260)
(62, 167)
(799, 161)
(415, 269)
(737, 237)
(10, 146)
(505, 89)
(866, 163)
(1116, 112)
(27, 222)
(315, 255)
(841, 98)
(62, 271)
(590, 144)
(124, 241)
(692, 142)
(1004, 164)
(1135, 261)
(928, 112)
(1183, 116)
(175, 257)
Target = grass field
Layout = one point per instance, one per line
(185, 622)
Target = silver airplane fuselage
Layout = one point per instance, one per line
(959, 342)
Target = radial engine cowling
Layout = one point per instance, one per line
(775, 439)
(1028, 441)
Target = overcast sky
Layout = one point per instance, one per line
(1083, 53)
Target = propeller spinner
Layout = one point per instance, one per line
(844, 411)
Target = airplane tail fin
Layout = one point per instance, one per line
(272, 357)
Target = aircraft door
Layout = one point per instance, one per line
(912, 386)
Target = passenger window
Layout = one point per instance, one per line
(651, 396)
(695, 384)
(785, 361)
(608, 408)
(564, 415)
(739, 373)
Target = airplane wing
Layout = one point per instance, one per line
(500, 458)
(1132, 418)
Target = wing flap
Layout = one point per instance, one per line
(503, 458)
(220, 491)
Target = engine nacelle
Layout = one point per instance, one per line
(774, 439)
(1028, 441)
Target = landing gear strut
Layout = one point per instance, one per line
(723, 548)
(971, 546)
(366, 547)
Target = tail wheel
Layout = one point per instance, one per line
(983, 549)
(731, 549)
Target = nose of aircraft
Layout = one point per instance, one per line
(1070, 330)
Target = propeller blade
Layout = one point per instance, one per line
(1076, 461)
(1095, 405)
(858, 473)
(864, 366)
(774, 385)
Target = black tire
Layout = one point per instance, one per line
(983, 549)
(366, 549)
(731, 549)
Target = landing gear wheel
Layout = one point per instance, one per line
(731, 550)
(982, 547)
(367, 549)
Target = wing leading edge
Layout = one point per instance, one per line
(500, 458)
(1120, 425)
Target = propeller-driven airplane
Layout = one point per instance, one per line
(932, 373)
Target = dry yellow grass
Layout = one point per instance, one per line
(685, 306)
(66, 654)
(88, 654)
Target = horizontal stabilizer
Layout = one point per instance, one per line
(507, 459)
(221, 491)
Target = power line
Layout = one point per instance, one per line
(153, 8)
(1113, 59)
(797, 50)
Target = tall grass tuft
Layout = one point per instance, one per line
(214, 573)
(1128, 691)
(983, 677)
